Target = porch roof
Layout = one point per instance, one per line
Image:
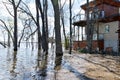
(115, 3)
(80, 23)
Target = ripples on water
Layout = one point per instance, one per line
(22, 65)
(18, 66)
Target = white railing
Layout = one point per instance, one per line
(75, 38)
(92, 16)
(79, 17)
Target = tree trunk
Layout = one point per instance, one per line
(88, 32)
(38, 26)
(66, 42)
(15, 29)
(59, 52)
(8, 40)
(44, 25)
(46, 19)
(70, 8)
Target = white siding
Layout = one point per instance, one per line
(110, 38)
(119, 10)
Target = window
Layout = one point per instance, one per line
(117, 0)
(107, 28)
(102, 14)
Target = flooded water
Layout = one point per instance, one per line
(17, 66)
(31, 64)
(25, 64)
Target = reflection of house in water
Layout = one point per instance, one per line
(106, 14)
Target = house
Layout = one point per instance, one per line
(105, 14)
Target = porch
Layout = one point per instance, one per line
(83, 44)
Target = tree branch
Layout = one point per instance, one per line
(18, 3)
(8, 10)
(31, 34)
(6, 28)
(28, 13)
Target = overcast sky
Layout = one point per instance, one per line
(76, 8)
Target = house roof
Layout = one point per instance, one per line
(115, 3)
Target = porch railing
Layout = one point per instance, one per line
(84, 37)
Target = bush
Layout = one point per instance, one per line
(66, 44)
(84, 50)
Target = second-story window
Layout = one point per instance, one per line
(102, 14)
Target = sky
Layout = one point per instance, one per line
(75, 9)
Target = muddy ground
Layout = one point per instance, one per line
(79, 66)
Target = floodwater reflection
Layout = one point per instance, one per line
(25, 64)
(12, 71)
(17, 65)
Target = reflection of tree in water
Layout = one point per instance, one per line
(12, 71)
(41, 66)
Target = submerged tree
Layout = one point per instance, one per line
(43, 11)
(59, 52)
(8, 29)
(70, 8)
(25, 9)
(38, 25)
(15, 7)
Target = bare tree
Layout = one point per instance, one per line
(59, 52)
(70, 8)
(38, 25)
(46, 24)
(8, 30)
(63, 24)
(15, 7)
(27, 11)
(89, 28)
(43, 11)
(26, 26)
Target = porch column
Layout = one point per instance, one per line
(98, 35)
(74, 30)
(78, 35)
(82, 33)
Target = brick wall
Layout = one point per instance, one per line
(83, 44)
